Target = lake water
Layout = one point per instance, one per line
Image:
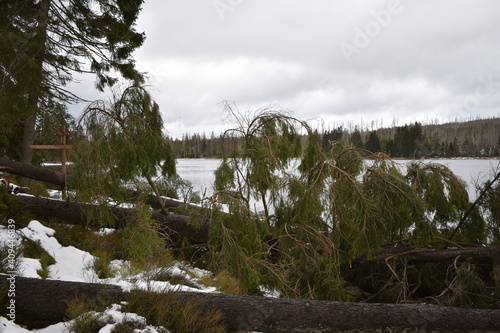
(200, 171)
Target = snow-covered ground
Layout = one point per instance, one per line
(72, 264)
(113, 316)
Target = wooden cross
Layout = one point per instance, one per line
(63, 146)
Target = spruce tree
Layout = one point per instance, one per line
(331, 136)
(373, 142)
(123, 145)
(48, 41)
(356, 139)
(322, 211)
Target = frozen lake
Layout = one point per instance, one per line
(200, 172)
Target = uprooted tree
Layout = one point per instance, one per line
(299, 217)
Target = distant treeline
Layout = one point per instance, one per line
(477, 138)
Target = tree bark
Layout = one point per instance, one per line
(47, 300)
(29, 171)
(40, 303)
(29, 135)
(38, 52)
(489, 254)
(58, 179)
(82, 213)
(424, 255)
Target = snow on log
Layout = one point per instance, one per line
(47, 301)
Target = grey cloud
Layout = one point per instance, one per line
(421, 65)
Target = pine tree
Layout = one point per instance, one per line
(18, 71)
(373, 143)
(356, 139)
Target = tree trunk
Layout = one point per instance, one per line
(28, 171)
(489, 255)
(82, 213)
(424, 255)
(47, 300)
(40, 303)
(58, 179)
(38, 52)
(28, 136)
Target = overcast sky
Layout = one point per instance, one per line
(344, 62)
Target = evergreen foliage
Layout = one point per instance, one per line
(356, 139)
(491, 202)
(321, 210)
(44, 43)
(49, 122)
(331, 136)
(373, 143)
(123, 146)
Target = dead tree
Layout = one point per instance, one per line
(46, 301)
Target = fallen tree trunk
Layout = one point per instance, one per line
(423, 255)
(29, 171)
(61, 180)
(40, 303)
(88, 214)
(168, 202)
(489, 254)
(82, 213)
(47, 300)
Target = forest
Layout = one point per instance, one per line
(340, 245)
(467, 138)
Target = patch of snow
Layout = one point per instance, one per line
(5, 237)
(105, 231)
(266, 292)
(111, 316)
(28, 267)
(9, 327)
(71, 264)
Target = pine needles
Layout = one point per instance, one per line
(318, 217)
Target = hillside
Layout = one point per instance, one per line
(475, 138)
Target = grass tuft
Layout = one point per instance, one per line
(38, 189)
(128, 326)
(167, 310)
(101, 265)
(33, 249)
(224, 283)
(83, 316)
